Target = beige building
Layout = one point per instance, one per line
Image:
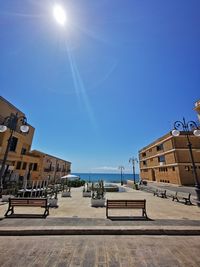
(51, 167)
(21, 161)
(168, 160)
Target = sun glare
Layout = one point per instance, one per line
(59, 14)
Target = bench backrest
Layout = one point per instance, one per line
(182, 194)
(34, 202)
(129, 204)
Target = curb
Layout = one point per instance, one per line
(102, 231)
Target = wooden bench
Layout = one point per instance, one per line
(160, 193)
(27, 202)
(182, 197)
(127, 204)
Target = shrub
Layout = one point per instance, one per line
(76, 183)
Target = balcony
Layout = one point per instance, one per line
(49, 169)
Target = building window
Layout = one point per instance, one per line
(24, 165)
(161, 159)
(50, 167)
(144, 162)
(164, 169)
(18, 167)
(150, 150)
(30, 166)
(144, 154)
(35, 166)
(23, 151)
(57, 168)
(13, 143)
(173, 168)
(159, 147)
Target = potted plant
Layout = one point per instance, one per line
(6, 194)
(66, 192)
(5, 198)
(86, 190)
(98, 195)
(53, 198)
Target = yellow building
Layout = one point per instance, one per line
(21, 161)
(51, 167)
(168, 160)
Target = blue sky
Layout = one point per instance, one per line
(110, 82)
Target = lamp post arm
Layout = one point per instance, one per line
(192, 125)
(179, 125)
(185, 126)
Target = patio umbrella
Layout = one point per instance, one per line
(71, 177)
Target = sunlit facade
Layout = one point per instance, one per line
(22, 163)
(168, 160)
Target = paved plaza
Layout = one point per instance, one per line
(100, 251)
(75, 215)
(76, 234)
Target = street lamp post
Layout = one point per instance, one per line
(11, 122)
(121, 168)
(133, 161)
(187, 127)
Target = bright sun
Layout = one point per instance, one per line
(59, 14)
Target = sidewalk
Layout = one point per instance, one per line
(75, 216)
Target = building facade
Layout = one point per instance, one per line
(168, 160)
(51, 167)
(21, 161)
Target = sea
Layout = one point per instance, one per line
(107, 177)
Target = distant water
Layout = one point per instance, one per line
(106, 177)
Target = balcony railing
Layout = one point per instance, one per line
(49, 169)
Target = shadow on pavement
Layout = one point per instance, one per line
(128, 218)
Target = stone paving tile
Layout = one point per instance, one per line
(109, 251)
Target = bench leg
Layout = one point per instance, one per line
(175, 198)
(106, 212)
(144, 214)
(187, 201)
(10, 210)
(46, 212)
